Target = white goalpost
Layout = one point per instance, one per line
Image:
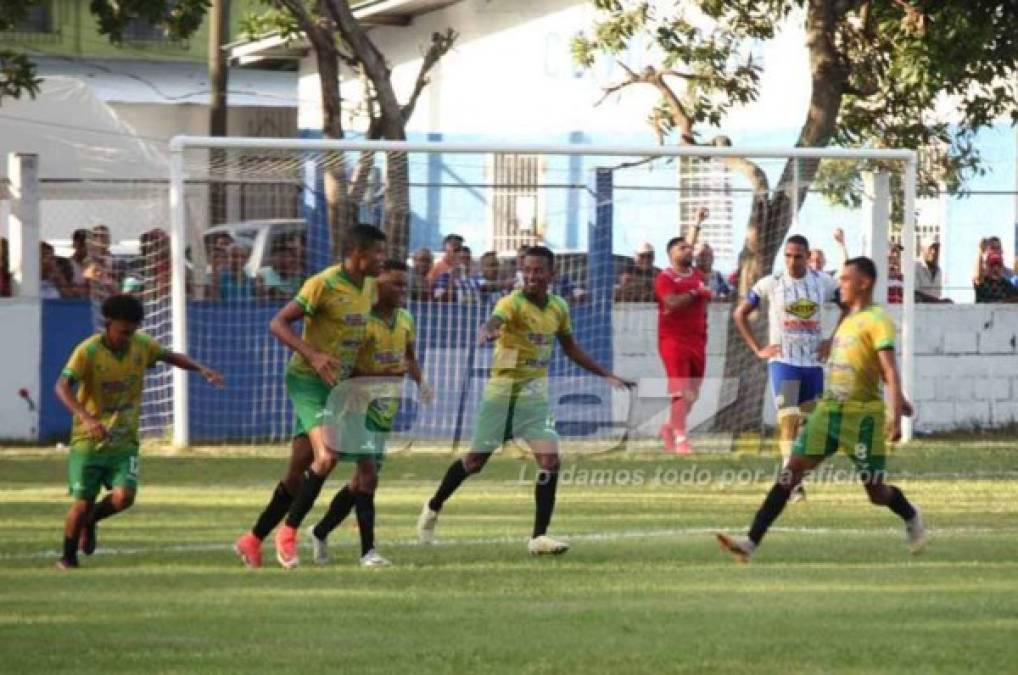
(264, 198)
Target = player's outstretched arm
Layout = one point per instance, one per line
(899, 404)
(185, 362)
(583, 360)
(281, 328)
(64, 393)
(741, 318)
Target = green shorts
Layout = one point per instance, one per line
(362, 437)
(855, 428)
(520, 411)
(87, 472)
(310, 397)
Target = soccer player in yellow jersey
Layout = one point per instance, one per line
(334, 306)
(386, 356)
(525, 326)
(851, 416)
(109, 370)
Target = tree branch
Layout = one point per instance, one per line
(440, 45)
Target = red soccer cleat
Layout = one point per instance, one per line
(249, 548)
(286, 547)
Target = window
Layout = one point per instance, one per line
(39, 22)
(517, 203)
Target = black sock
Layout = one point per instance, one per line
(70, 550)
(453, 478)
(274, 512)
(103, 509)
(366, 519)
(544, 496)
(305, 498)
(900, 505)
(769, 511)
(339, 509)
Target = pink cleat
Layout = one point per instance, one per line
(286, 547)
(249, 548)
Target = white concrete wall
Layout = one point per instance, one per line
(966, 364)
(20, 351)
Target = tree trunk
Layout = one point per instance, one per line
(340, 211)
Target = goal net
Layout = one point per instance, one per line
(250, 219)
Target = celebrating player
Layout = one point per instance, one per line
(682, 301)
(851, 414)
(385, 357)
(109, 369)
(524, 325)
(334, 305)
(795, 300)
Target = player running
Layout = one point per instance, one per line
(795, 300)
(851, 414)
(524, 325)
(334, 306)
(385, 357)
(682, 301)
(109, 369)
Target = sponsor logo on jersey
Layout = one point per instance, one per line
(802, 308)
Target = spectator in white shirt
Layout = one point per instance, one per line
(929, 276)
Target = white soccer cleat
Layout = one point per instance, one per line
(372, 559)
(915, 531)
(741, 549)
(319, 548)
(545, 545)
(426, 525)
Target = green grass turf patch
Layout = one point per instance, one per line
(644, 589)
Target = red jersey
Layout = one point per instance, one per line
(684, 324)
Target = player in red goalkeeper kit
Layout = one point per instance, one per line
(681, 338)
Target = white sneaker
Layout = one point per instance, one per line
(319, 548)
(741, 549)
(426, 525)
(372, 559)
(545, 545)
(915, 532)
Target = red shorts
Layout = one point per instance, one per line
(684, 363)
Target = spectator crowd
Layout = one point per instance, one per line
(454, 275)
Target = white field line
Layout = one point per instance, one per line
(589, 536)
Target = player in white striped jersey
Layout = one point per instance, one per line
(796, 346)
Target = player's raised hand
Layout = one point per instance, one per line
(839, 235)
(426, 392)
(326, 366)
(769, 352)
(702, 214)
(213, 377)
(906, 408)
(620, 383)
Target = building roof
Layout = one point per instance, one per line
(272, 48)
(170, 82)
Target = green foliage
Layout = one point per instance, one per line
(179, 18)
(17, 75)
(271, 20)
(923, 74)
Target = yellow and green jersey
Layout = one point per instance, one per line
(335, 318)
(854, 365)
(384, 352)
(109, 387)
(523, 350)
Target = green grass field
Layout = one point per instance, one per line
(645, 588)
